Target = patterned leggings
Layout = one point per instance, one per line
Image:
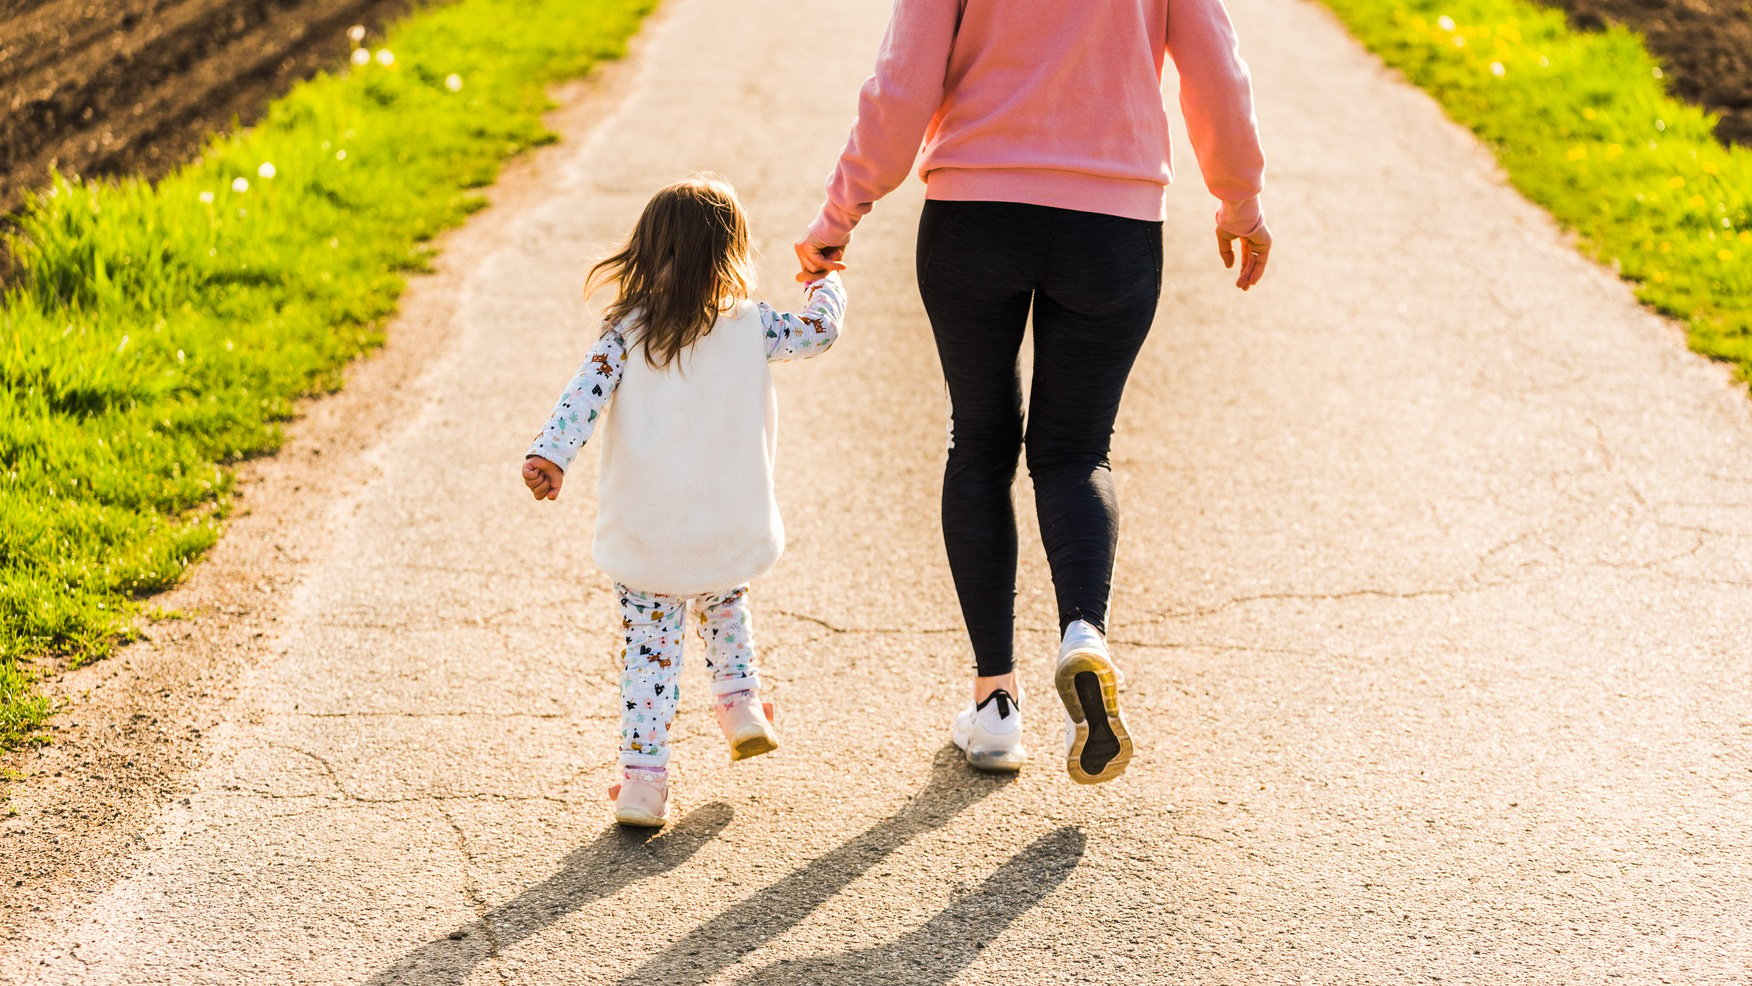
(651, 662)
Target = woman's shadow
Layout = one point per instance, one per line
(943, 946)
(619, 857)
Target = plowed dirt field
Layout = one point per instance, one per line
(1705, 47)
(116, 86)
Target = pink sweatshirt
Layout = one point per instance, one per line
(1050, 102)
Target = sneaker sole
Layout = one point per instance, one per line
(1002, 761)
(752, 744)
(639, 819)
(1005, 761)
(1101, 748)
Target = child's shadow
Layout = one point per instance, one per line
(612, 860)
(943, 946)
(767, 913)
(619, 857)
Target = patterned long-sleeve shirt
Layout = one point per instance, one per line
(789, 335)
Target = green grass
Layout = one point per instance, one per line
(154, 335)
(1583, 126)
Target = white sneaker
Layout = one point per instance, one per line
(990, 733)
(1097, 746)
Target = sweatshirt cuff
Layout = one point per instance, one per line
(1240, 218)
(829, 231)
(555, 452)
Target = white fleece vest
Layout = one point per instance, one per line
(686, 502)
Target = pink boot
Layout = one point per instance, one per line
(642, 796)
(747, 723)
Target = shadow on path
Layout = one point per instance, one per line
(617, 857)
(946, 944)
(764, 915)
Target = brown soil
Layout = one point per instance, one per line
(98, 87)
(1704, 45)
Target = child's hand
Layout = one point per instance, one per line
(542, 477)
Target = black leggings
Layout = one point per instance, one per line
(1092, 281)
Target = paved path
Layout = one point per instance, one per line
(1435, 596)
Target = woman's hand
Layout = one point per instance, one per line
(817, 258)
(542, 477)
(1255, 248)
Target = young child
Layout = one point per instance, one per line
(686, 509)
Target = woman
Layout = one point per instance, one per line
(1046, 159)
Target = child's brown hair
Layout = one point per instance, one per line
(686, 262)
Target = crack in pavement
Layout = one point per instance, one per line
(342, 791)
(876, 631)
(347, 800)
(472, 893)
(1201, 612)
(432, 715)
(1196, 646)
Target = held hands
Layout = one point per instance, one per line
(817, 259)
(1255, 247)
(542, 477)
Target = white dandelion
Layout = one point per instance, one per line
(1496, 69)
(361, 56)
(385, 57)
(453, 82)
(206, 198)
(240, 184)
(356, 33)
(1445, 22)
(266, 170)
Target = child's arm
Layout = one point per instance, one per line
(574, 418)
(812, 331)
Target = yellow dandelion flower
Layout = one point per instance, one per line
(1576, 153)
(1709, 168)
(1696, 202)
(1677, 181)
(1588, 113)
(1724, 254)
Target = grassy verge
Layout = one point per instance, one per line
(152, 335)
(1583, 126)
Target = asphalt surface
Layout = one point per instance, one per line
(1434, 598)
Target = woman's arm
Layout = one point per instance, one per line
(1216, 97)
(810, 332)
(894, 109)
